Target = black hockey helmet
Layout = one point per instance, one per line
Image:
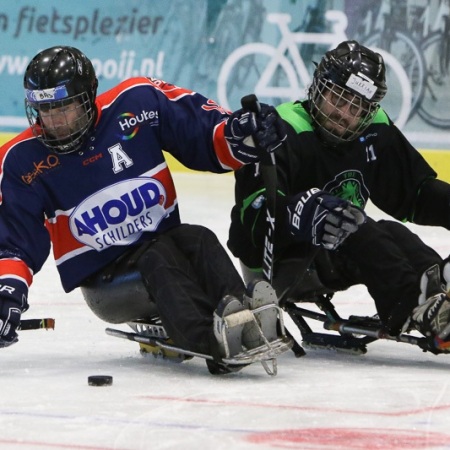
(60, 90)
(355, 75)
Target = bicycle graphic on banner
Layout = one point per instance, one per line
(280, 73)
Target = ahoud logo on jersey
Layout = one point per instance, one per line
(349, 186)
(119, 214)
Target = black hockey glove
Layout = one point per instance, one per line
(10, 313)
(250, 134)
(323, 219)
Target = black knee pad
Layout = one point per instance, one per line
(118, 296)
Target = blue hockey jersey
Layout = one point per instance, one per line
(117, 191)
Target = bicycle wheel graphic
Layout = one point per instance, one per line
(400, 111)
(434, 108)
(404, 53)
(257, 68)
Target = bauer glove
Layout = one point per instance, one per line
(249, 134)
(323, 219)
(13, 302)
(10, 314)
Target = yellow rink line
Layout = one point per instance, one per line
(438, 159)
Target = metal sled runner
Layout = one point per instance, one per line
(152, 336)
(351, 335)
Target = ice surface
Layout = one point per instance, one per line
(394, 397)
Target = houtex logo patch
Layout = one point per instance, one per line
(119, 214)
(129, 122)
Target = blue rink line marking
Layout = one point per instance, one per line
(113, 421)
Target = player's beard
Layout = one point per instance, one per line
(65, 130)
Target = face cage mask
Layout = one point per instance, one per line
(61, 126)
(340, 114)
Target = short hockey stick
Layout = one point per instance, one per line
(269, 176)
(36, 324)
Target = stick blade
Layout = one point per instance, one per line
(36, 324)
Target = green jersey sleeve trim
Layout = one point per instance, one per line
(381, 117)
(295, 115)
(249, 200)
(246, 204)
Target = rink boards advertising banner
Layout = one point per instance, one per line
(229, 48)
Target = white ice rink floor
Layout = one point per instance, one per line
(394, 397)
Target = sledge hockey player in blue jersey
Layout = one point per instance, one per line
(89, 177)
(341, 150)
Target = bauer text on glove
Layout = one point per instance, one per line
(323, 219)
(249, 135)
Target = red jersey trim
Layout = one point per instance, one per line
(222, 149)
(15, 268)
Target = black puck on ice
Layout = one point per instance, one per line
(100, 380)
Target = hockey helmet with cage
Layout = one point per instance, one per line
(60, 90)
(348, 84)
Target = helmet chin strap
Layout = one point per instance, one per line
(72, 144)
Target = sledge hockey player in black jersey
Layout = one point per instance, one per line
(89, 177)
(342, 149)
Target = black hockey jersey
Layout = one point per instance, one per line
(381, 165)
